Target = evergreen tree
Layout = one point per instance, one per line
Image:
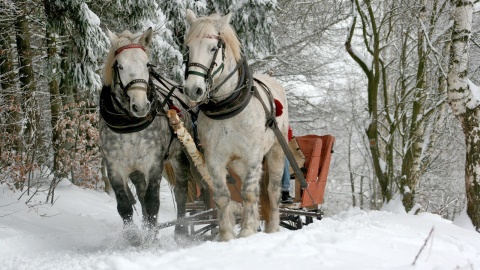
(165, 54)
(254, 21)
(173, 29)
(85, 44)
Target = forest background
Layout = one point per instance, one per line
(394, 81)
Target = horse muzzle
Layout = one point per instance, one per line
(139, 104)
(195, 93)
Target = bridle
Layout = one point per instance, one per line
(209, 71)
(117, 80)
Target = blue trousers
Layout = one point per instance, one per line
(286, 176)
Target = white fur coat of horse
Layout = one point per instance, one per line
(241, 142)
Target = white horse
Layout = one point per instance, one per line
(232, 123)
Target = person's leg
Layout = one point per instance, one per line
(286, 176)
(286, 198)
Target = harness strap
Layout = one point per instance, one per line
(239, 64)
(272, 123)
(170, 94)
(192, 72)
(210, 72)
(130, 46)
(238, 99)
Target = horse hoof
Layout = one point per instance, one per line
(181, 230)
(183, 240)
(225, 237)
(246, 232)
(149, 235)
(272, 228)
(132, 235)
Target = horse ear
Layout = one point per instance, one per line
(223, 22)
(146, 38)
(111, 36)
(191, 17)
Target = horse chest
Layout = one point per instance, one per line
(132, 149)
(230, 136)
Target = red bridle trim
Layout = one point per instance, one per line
(131, 46)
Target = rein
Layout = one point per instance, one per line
(272, 123)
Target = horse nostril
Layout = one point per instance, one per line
(134, 108)
(199, 91)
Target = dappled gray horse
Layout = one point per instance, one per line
(135, 137)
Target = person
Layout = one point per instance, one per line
(286, 198)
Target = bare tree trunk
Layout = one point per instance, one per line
(66, 88)
(9, 93)
(55, 98)
(27, 80)
(350, 169)
(373, 74)
(411, 165)
(464, 105)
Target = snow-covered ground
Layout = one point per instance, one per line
(82, 230)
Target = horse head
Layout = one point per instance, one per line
(211, 42)
(127, 71)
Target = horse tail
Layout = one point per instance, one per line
(169, 171)
(192, 190)
(264, 198)
(172, 181)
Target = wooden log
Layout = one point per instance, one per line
(189, 144)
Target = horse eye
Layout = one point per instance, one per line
(214, 49)
(120, 67)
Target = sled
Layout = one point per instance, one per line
(317, 151)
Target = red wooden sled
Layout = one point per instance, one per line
(318, 154)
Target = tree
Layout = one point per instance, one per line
(12, 99)
(405, 103)
(464, 102)
(253, 21)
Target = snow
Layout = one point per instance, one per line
(475, 101)
(91, 17)
(82, 230)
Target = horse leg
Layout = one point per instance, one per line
(182, 174)
(124, 205)
(221, 197)
(250, 193)
(152, 196)
(138, 179)
(124, 208)
(276, 163)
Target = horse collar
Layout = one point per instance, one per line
(236, 102)
(120, 121)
